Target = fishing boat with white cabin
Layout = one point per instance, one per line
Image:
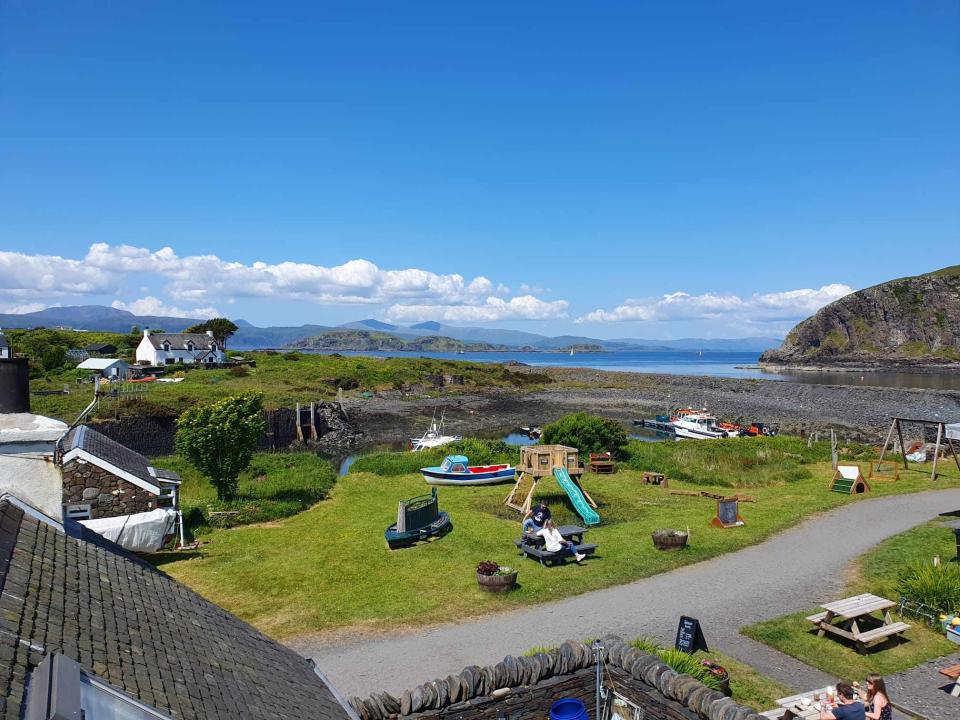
(434, 436)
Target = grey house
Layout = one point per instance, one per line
(87, 627)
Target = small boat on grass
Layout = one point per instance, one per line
(456, 470)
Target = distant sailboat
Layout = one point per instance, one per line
(571, 352)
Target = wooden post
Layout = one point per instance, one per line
(833, 448)
(297, 421)
(889, 438)
(903, 448)
(313, 424)
(936, 451)
(954, 451)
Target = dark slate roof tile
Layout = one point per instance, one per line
(100, 446)
(138, 629)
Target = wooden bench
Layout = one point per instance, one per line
(953, 672)
(871, 637)
(602, 463)
(547, 558)
(818, 618)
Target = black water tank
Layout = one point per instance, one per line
(14, 385)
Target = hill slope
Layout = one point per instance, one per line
(912, 320)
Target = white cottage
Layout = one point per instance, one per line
(172, 348)
(5, 351)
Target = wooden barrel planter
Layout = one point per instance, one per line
(670, 539)
(497, 583)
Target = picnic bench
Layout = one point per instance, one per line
(533, 546)
(602, 463)
(793, 706)
(852, 611)
(953, 672)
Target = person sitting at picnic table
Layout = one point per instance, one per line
(554, 541)
(848, 708)
(536, 517)
(878, 703)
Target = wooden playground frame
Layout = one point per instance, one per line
(539, 461)
(896, 425)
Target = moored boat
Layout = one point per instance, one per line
(456, 470)
(434, 436)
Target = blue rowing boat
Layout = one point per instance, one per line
(456, 470)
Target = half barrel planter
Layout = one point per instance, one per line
(670, 539)
(497, 583)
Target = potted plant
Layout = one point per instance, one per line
(492, 577)
(720, 675)
(670, 539)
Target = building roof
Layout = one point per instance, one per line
(85, 443)
(3, 340)
(101, 347)
(29, 428)
(68, 590)
(178, 341)
(99, 363)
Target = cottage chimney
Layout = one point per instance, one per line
(209, 333)
(14, 385)
(146, 332)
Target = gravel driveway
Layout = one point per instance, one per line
(792, 571)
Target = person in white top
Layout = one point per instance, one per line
(554, 540)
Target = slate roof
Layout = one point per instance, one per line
(120, 456)
(139, 630)
(101, 348)
(3, 341)
(178, 341)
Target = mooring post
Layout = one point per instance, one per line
(598, 657)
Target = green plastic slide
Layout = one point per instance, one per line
(573, 492)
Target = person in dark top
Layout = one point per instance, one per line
(878, 704)
(536, 517)
(848, 708)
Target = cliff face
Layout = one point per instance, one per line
(910, 321)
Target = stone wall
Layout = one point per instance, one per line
(107, 495)
(153, 435)
(524, 688)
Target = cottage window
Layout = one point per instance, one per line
(190, 345)
(59, 688)
(166, 346)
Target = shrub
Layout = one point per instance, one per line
(936, 586)
(293, 355)
(239, 371)
(587, 433)
(679, 661)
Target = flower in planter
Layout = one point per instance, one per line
(716, 669)
(488, 567)
(504, 570)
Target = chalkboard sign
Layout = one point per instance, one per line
(728, 513)
(690, 636)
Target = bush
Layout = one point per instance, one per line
(239, 371)
(587, 433)
(936, 586)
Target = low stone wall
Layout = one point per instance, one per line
(524, 688)
(153, 435)
(107, 495)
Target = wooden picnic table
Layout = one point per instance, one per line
(792, 706)
(851, 611)
(568, 532)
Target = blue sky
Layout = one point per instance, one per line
(611, 169)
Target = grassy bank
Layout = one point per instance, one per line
(276, 485)
(875, 572)
(328, 568)
(284, 379)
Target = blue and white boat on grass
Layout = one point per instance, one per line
(456, 470)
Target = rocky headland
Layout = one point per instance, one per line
(910, 322)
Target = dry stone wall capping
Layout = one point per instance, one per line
(107, 494)
(524, 688)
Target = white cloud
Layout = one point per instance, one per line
(22, 308)
(36, 276)
(790, 305)
(154, 306)
(524, 307)
(207, 281)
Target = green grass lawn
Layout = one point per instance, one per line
(875, 572)
(276, 485)
(284, 378)
(328, 568)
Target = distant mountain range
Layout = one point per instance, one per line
(251, 337)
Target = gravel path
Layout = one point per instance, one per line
(792, 571)
(924, 691)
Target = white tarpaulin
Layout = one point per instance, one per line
(140, 532)
(953, 431)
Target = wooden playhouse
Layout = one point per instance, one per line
(849, 480)
(540, 461)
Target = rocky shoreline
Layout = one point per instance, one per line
(856, 412)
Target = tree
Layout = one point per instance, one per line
(222, 328)
(218, 439)
(587, 433)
